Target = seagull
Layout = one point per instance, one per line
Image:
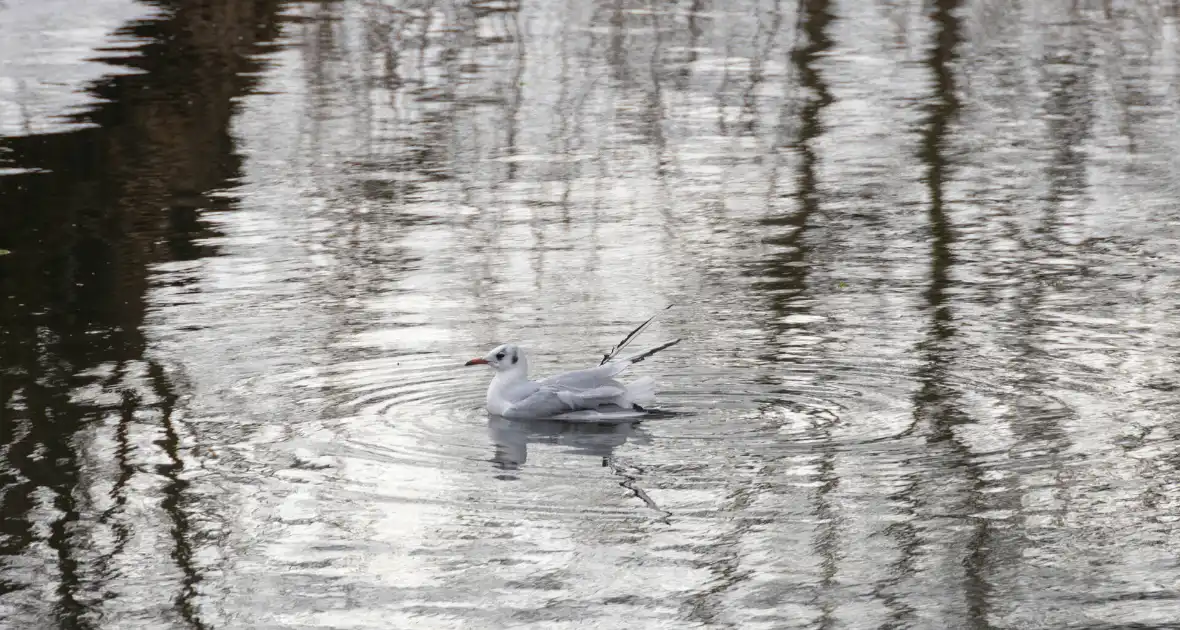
(589, 394)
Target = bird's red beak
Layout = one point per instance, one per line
(477, 362)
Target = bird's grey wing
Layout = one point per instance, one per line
(586, 379)
(591, 398)
(542, 403)
(551, 400)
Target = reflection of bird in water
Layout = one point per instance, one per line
(511, 437)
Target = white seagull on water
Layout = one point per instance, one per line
(590, 394)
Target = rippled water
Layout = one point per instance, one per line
(924, 258)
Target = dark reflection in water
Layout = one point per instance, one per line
(937, 407)
(924, 257)
(88, 421)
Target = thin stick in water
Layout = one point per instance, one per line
(631, 337)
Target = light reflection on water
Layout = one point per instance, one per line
(923, 258)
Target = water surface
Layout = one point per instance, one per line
(924, 259)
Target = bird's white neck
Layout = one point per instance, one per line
(500, 391)
(511, 376)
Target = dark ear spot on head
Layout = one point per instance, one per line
(514, 358)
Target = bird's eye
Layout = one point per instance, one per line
(499, 356)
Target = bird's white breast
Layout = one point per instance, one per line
(503, 393)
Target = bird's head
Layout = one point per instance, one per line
(503, 358)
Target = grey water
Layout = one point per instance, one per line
(925, 258)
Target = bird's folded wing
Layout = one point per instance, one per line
(590, 398)
(540, 404)
(551, 400)
(586, 379)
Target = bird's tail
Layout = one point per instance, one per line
(641, 391)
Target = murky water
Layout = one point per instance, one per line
(925, 258)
